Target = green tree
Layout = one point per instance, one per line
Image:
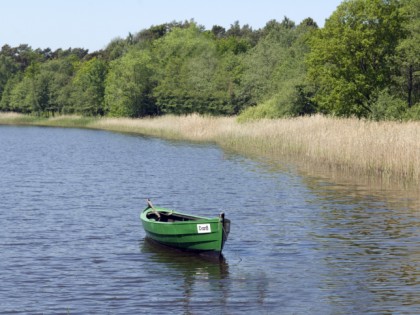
(190, 75)
(261, 77)
(6, 100)
(274, 75)
(115, 49)
(43, 88)
(129, 84)
(89, 87)
(408, 53)
(22, 97)
(8, 68)
(349, 60)
(52, 85)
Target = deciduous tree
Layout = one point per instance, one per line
(89, 87)
(129, 84)
(349, 60)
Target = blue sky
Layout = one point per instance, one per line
(92, 24)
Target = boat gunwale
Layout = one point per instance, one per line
(164, 211)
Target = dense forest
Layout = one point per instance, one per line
(364, 62)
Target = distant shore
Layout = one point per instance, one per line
(381, 149)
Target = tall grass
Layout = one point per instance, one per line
(17, 119)
(388, 149)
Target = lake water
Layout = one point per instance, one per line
(71, 241)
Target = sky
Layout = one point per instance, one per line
(92, 24)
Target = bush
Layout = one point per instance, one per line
(387, 107)
(290, 101)
(413, 113)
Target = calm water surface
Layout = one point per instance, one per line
(71, 241)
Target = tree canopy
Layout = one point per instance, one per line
(349, 60)
(364, 62)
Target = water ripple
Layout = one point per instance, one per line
(71, 240)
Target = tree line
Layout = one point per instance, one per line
(364, 62)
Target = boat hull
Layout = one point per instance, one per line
(185, 232)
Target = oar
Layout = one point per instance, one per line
(149, 203)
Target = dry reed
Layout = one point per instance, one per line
(389, 149)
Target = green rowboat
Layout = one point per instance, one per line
(183, 231)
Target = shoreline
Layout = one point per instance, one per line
(386, 150)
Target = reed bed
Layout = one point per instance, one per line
(389, 149)
(11, 118)
(382, 148)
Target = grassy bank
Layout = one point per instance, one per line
(388, 149)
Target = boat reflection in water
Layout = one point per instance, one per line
(189, 263)
(197, 280)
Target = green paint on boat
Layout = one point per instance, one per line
(184, 231)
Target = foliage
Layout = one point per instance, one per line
(7, 68)
(129, 85)
(22, 98)
(364, 62)
(387, 107)
(277, 106)
(413, 113)
(349, 57)
(275, 72)
(42, 88)
(190, 77)
(407, 76)
(5, 102)
(89, 88)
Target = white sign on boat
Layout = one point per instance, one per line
(203, 228)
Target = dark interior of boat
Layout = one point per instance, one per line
(169, 217)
